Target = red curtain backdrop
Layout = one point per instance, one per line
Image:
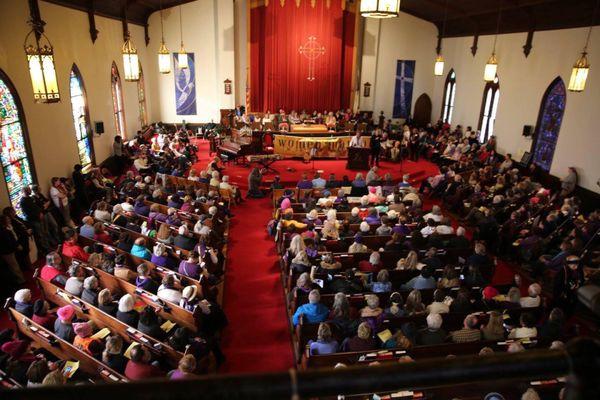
(279, 72)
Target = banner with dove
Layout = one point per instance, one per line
(405, 75)
(185, 86)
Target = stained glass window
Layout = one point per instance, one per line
(117, 93)
(489, 108)
(142, 99)
(81, 118)
(449, 94)
(15, 155)
(549, 121)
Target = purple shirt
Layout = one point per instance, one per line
(304, 185)
(189, 269)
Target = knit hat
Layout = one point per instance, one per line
(15, 348)
(489, 292)
(66, 313)
(286, 203)
(288, 193)
(190, 292)
(358, 238)
(23, 295)
(82, 329)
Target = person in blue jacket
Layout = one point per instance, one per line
(140, 250)
(313, 311)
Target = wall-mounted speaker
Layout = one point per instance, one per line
(527, 130)
(99, 127)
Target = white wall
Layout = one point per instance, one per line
(523, 82)
(387, 41)
(51, 129)
(208, 32)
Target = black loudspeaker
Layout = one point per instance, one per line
(99, 127)
(527, 130)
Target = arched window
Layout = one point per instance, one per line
(16, 153)
(81, 118)
(548, 124)
(142, 99)
(449, 93)
(117, 93)
(489, 107)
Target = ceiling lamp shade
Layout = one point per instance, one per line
(491, 68)
(164, 59)
(579, 74)
(438, 69)
(182, 58)
(42, 71)
(131, 63)
(380, 8)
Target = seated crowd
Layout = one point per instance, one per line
(409, 263)
(160, 240)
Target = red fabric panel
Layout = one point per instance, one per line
(279, 72)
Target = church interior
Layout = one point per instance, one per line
(316, 199)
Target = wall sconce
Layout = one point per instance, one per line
(227, 84)
(367, 90)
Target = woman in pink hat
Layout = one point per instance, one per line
(63, 327)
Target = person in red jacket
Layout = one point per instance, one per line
(53, 270)
(139, 367)
(71, 249)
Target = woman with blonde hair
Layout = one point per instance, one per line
(363, 341)
(185, 368)
(296, 246)
(330, 230)
(372, 310)
(494, 329)
(325, 343)
(410, 262)
(414, 304)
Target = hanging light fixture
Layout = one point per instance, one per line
(182, 58)
(131, 63)
(40, 58)
(581, 68)
(379, 8)
(164, 57)
(438, 69)
(491, 67)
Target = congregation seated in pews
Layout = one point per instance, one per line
(134, 292)
(374, 275)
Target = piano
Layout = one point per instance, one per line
(239, 145)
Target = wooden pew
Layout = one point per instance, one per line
(417, 353)
(63, 349)
(165, 309)
(6, 382)
(451, 322)
(87, 311)
(159, 272)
